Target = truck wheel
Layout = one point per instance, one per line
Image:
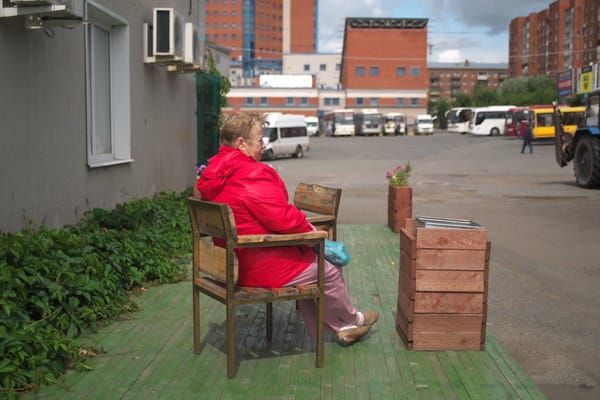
(299, 153)
(587, 162)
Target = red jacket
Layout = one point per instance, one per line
(259, 201)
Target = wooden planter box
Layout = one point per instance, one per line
(442, 288)
(399, 206)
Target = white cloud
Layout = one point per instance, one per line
(332, 17)
(460, 29)
(492, 16)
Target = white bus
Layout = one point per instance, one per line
(368, 121)
(489, 121)
(285, 135)
(458, 119)
(312, 125)
(395, 124)
(338, 123)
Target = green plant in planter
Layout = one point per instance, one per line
(399, 175)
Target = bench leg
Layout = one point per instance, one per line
(230, 341)
(196, 316)
(269, 322)
(320, 332)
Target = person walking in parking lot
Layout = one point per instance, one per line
(527, 139)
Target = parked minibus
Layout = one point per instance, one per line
(514, 120)
(423, 124)
(338, 123)
(368, 121)
(285, 135)
(395, 124)
(542, 126)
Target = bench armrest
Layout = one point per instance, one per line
(280, 239)
(315, 219)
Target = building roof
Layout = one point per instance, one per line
(387, 23)
(466, 65)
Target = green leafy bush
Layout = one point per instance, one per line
(57, 283)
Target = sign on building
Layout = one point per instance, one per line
(565, 83)
(286, 81)
(585, 79)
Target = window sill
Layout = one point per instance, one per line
(100, 164)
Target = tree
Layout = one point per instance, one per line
(225, 83)
(485, 96)
(463, 100)
(441, 107)
(525, 91)
(576, 100)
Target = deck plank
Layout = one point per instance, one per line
(149, 354)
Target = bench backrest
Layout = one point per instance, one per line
(213, 220)
(317, 199)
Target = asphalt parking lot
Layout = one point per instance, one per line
(545, 268)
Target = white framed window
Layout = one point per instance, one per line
(108, 87)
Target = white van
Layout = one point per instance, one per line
(424, 124)
(285, 135)
(312, 125)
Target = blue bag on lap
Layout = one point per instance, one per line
(336, 253)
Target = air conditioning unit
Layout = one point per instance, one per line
(188, 50)
(167, 33)
(49, 10)
(31, 2)
(75, 5)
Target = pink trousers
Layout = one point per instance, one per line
(338, 308)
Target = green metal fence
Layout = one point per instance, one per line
(208, 112)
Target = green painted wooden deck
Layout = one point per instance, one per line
(150, 356)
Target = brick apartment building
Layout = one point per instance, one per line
(259, 32)
(448, 80)
(565, 35)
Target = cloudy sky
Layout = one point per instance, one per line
(476, 30)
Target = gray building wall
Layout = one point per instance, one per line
(44, 175)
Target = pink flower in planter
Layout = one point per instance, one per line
(399, 176)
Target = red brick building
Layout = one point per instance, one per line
(565, 35)
(448, 80)
(383, 65)
(384, 62)
(258, 32)
(303, 34)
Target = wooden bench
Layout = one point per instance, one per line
(215, 272)
(320, 204)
